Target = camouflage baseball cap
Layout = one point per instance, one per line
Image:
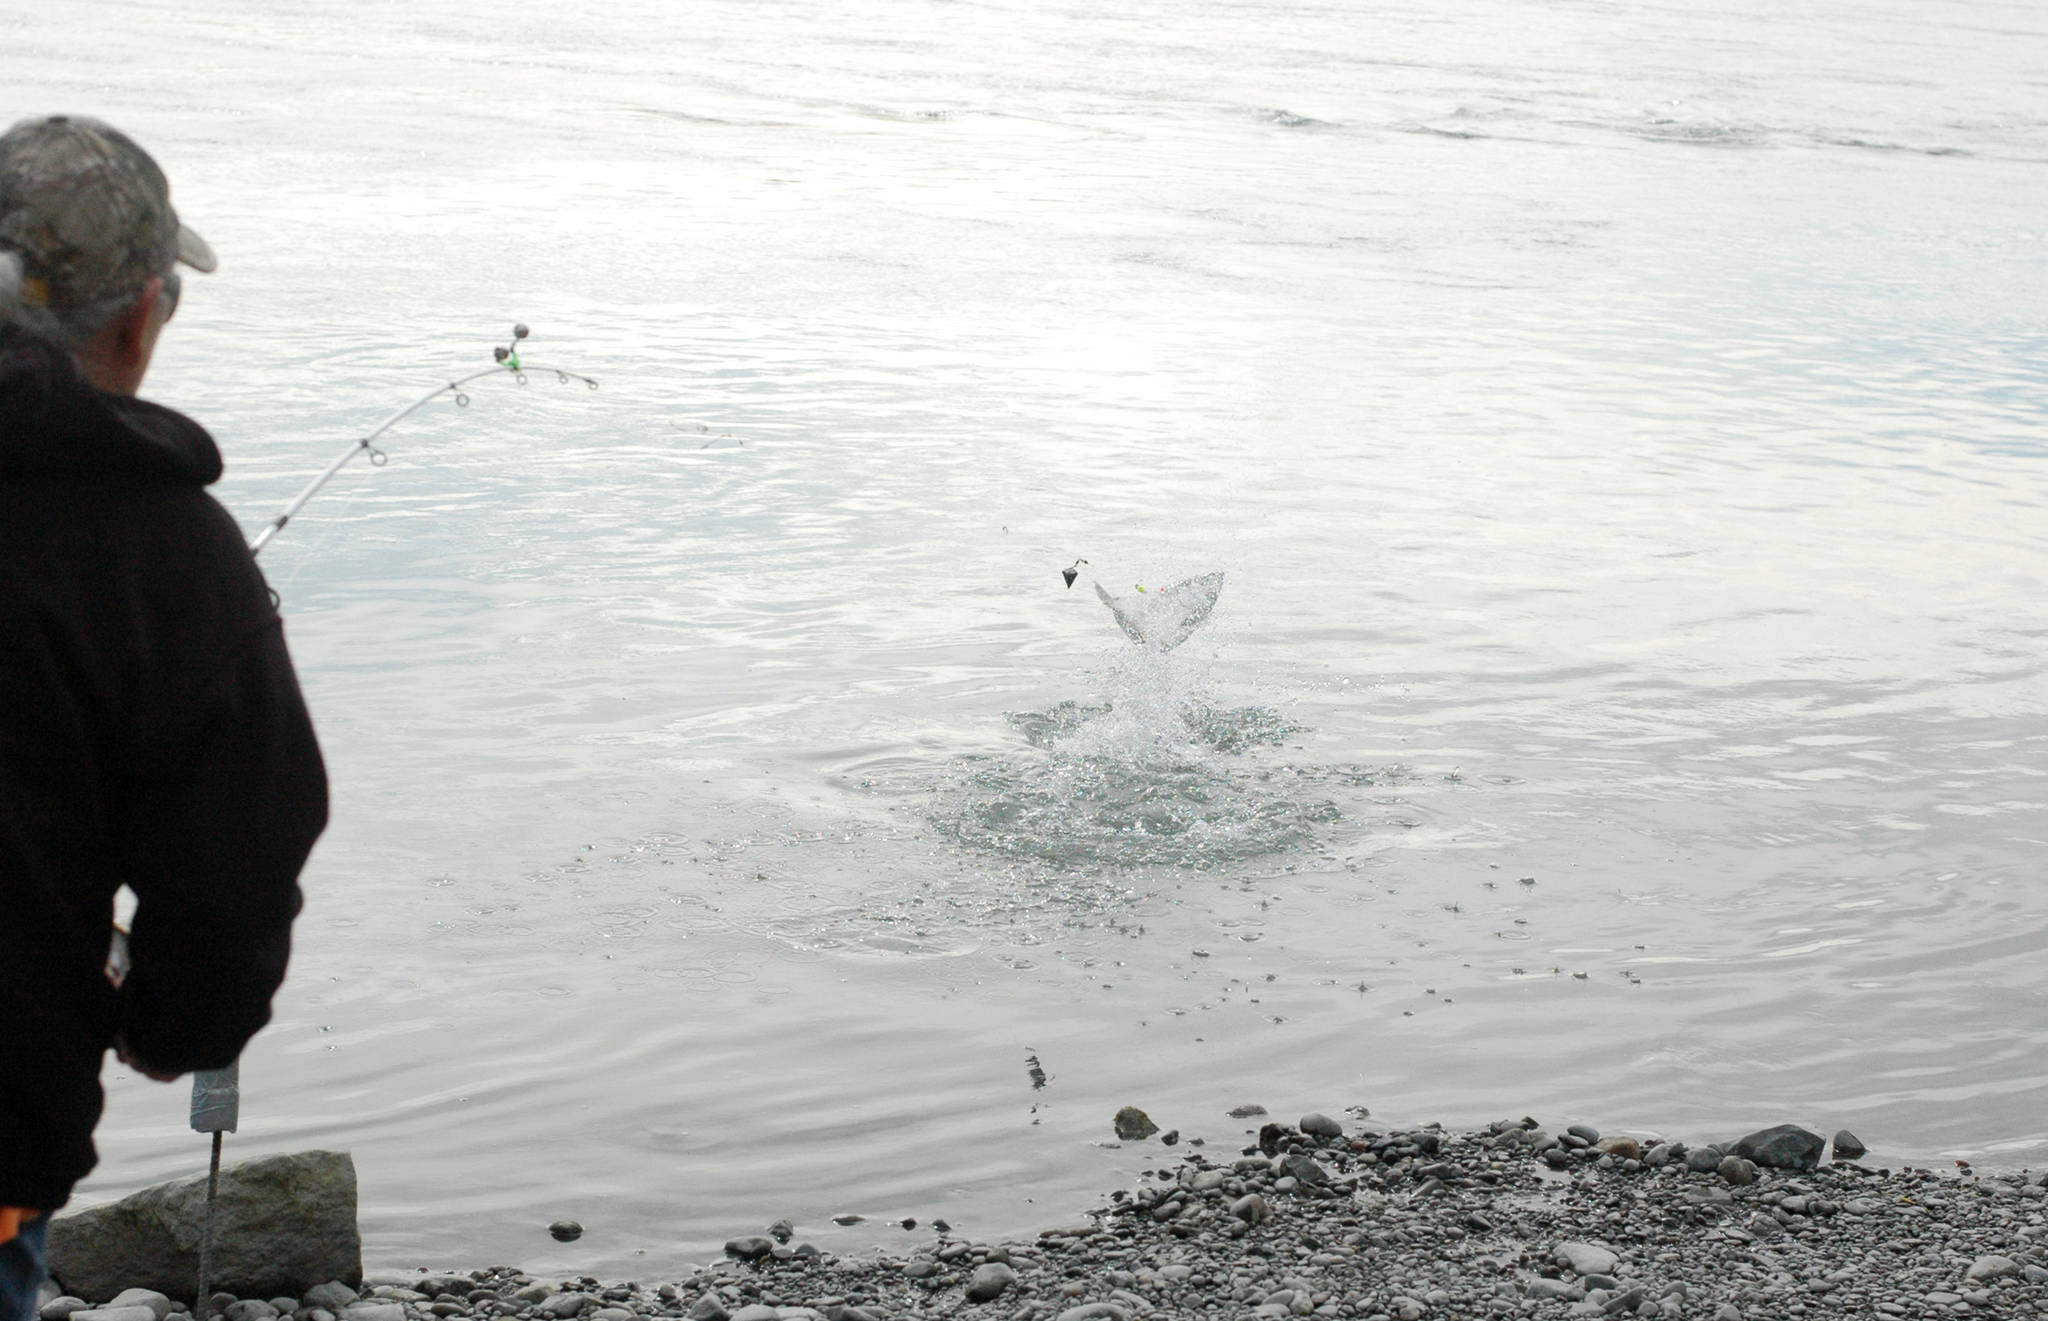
(89, 212)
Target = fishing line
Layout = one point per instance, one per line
(506, 359)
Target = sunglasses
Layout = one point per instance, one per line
(174, 286)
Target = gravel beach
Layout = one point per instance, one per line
(1329, 1219)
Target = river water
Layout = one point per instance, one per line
(1619, 425)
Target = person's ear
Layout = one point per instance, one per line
(135, 330)
(117, 358)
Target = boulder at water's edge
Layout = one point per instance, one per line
(282, 1225)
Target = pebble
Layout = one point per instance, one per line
(158, 1304)
(1133, 1124)
(566, 1231)
(1620, 1148)
(1585, 1258)
(1320, 1126)
(373, 1311)
(115, 1314)
(333, 1296)
(1303, 1169)
(1737, 1171)
(1427, 1224)
(1991, 1266)
(989, 1281)
(1786, 1147)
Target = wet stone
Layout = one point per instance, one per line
(1319, 1125)
(1737, 1171)
(1786, 1147)
(1133, 1124)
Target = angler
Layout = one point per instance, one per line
(152, 732)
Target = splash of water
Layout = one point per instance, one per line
(1156, 775)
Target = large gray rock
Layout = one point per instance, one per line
(1786, 1147)
(283, 1224)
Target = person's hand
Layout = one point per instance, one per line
(127, 1057)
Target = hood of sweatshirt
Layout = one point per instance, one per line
(56, 425)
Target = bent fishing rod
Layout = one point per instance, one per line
(507, 360)
(216, 1093)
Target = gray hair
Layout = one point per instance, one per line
(73, 327)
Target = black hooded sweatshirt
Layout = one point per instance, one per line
(152, 734)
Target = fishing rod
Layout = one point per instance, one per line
(506, 360)
(216, 1093)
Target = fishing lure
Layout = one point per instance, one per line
(506, 359)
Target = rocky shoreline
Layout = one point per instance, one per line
(1510, 1221)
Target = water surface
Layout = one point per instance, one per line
(1619, 425)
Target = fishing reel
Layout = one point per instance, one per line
(509, 353)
